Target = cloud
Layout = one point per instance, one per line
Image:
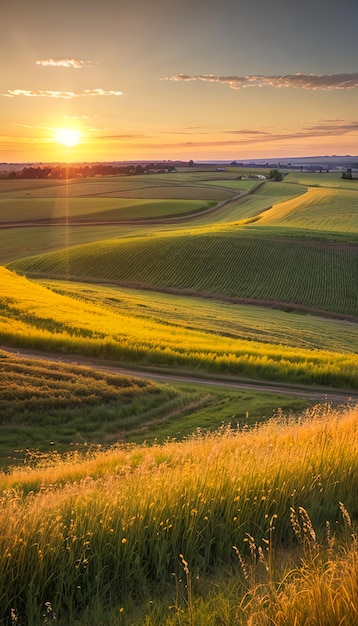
(334, 127)
(313, 82)
(246, 131)
(74, 63)
(327, 128)
(247, 137)
(99, 92)
(123, 136)
(11, 93)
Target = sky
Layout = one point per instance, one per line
(104, 80)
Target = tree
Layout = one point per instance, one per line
(275, 175)
(347, 175)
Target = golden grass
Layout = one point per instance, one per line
(317, 209)
(35, 317)
(113, 525)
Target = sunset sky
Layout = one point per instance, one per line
(177, 79)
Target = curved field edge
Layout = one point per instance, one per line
(35, 317)
(291, 272)
(242, 321)
(111, 528)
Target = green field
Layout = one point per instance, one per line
(267, 262)
(221, 264)
(47, 406)
(119, 505)
(319, 209)
(37, 318)
(331, 179)
(219, 318)
(17, 210)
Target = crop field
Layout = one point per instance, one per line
(119, 504)
(37, 318)
(262, 196)
(237, 527)
(95, 209)
(220, 318)
(222, 264)
(318, 209)
(16, 243)
(278, 190)
(236, 185)
(332, 179)
(115, 186)
(54, 405)
(176, 192)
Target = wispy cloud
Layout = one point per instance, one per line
(236, 137)
(249, 137)
(326, 128)
(11, 93)
(314, 82)
(73, 63)
(116, 137)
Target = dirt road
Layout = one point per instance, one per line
(315, 394)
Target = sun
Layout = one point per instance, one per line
(67, 136)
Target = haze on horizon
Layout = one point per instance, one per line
(159, 80)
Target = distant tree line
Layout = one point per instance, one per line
(89, 171)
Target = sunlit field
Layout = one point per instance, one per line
(35, 317)
(18, 210)
(219, 264)
(54, 405)
(221, 318)
(318, 209)
(325, 179)
(130, 502)
(238, 527)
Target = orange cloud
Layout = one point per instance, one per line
(74, 63)
(60, 94)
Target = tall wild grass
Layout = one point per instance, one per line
(258, 523)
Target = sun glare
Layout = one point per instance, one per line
(67, 136)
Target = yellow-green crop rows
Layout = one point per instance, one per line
(319, 209)
(36, 318)
(318, 275)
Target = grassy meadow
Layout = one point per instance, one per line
(252, 526)
(131, 502)
(223, 318)
(35, 317)
(55, 405)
